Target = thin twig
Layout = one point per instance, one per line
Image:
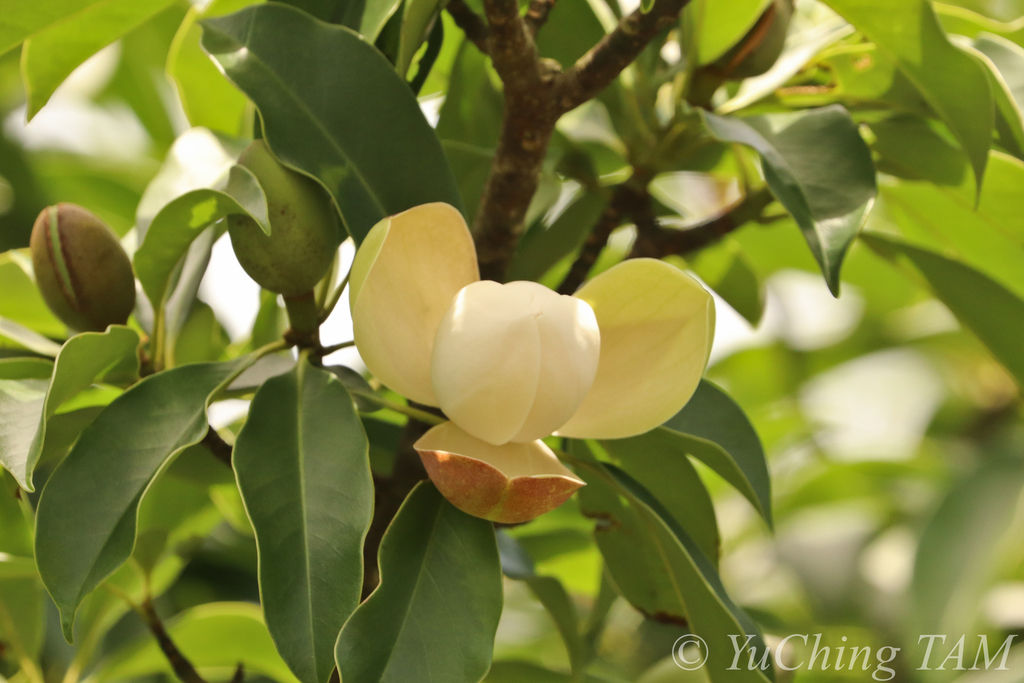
(662, 242)
(595, 243)
(595, 70)
(182, 667)
(328, 350)
(415, 413)
(470, 23)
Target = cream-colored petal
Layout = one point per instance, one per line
(512, 483)
(656, 325)
(404, 277)
(486, 360)
(570, 345)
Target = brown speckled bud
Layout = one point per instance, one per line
(304, 228)
(84, 275)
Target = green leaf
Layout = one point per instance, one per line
(951, 569)
(215, 637)
(719, 25)
(1005, 65)
(716, 431)
(434, 615)
(729, 271)
(544, 246)
(26, 367)
(819, 168)
(334, 108)
(209, 99)
(517, 564)
(22, 336)
(182, 220)
(992, 312)
(48, 57)
(22, 303)
(344, 12)
(21, 404)
(304, 472)
(569, 33)
(86, 517)
(86, 358)
(953, 83)
(24, 19)
(375, 15)
(418, 16)
(697, 594)
(658, 460)
(22, 614)
(12, 567)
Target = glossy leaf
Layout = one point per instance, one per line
(215, 637)
(434, 615)
(50, 56)
(85, 529)
(716, 431)
(819, 168)
(307, 78)
(375, 15)
(417, 17)
(696, 594)
(304, 473)
(182, 220)
(992, 312)
(110, 357)
(953, 83)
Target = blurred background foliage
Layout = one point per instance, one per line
(894, 438)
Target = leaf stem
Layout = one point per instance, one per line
(328, 308)
(327, 350)
(279, 345)
(415, 413)
(183, 668)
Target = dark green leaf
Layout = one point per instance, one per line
(953, 83)
(435, 613)
(819, 168)
(86, 517)
(302, 467)
(569, 33)
(716, 431)
(992, 312)
(334, 108)
(658, 460)
(697, 595)
(729, 271)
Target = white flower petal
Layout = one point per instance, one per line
(404, 277)
(656, 326)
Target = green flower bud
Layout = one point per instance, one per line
(81, 270)
(760, 48)
(304, 227)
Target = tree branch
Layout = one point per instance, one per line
(605, 61)
(470, 23)
(661, 242)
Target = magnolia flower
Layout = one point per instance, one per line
(510, 364)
